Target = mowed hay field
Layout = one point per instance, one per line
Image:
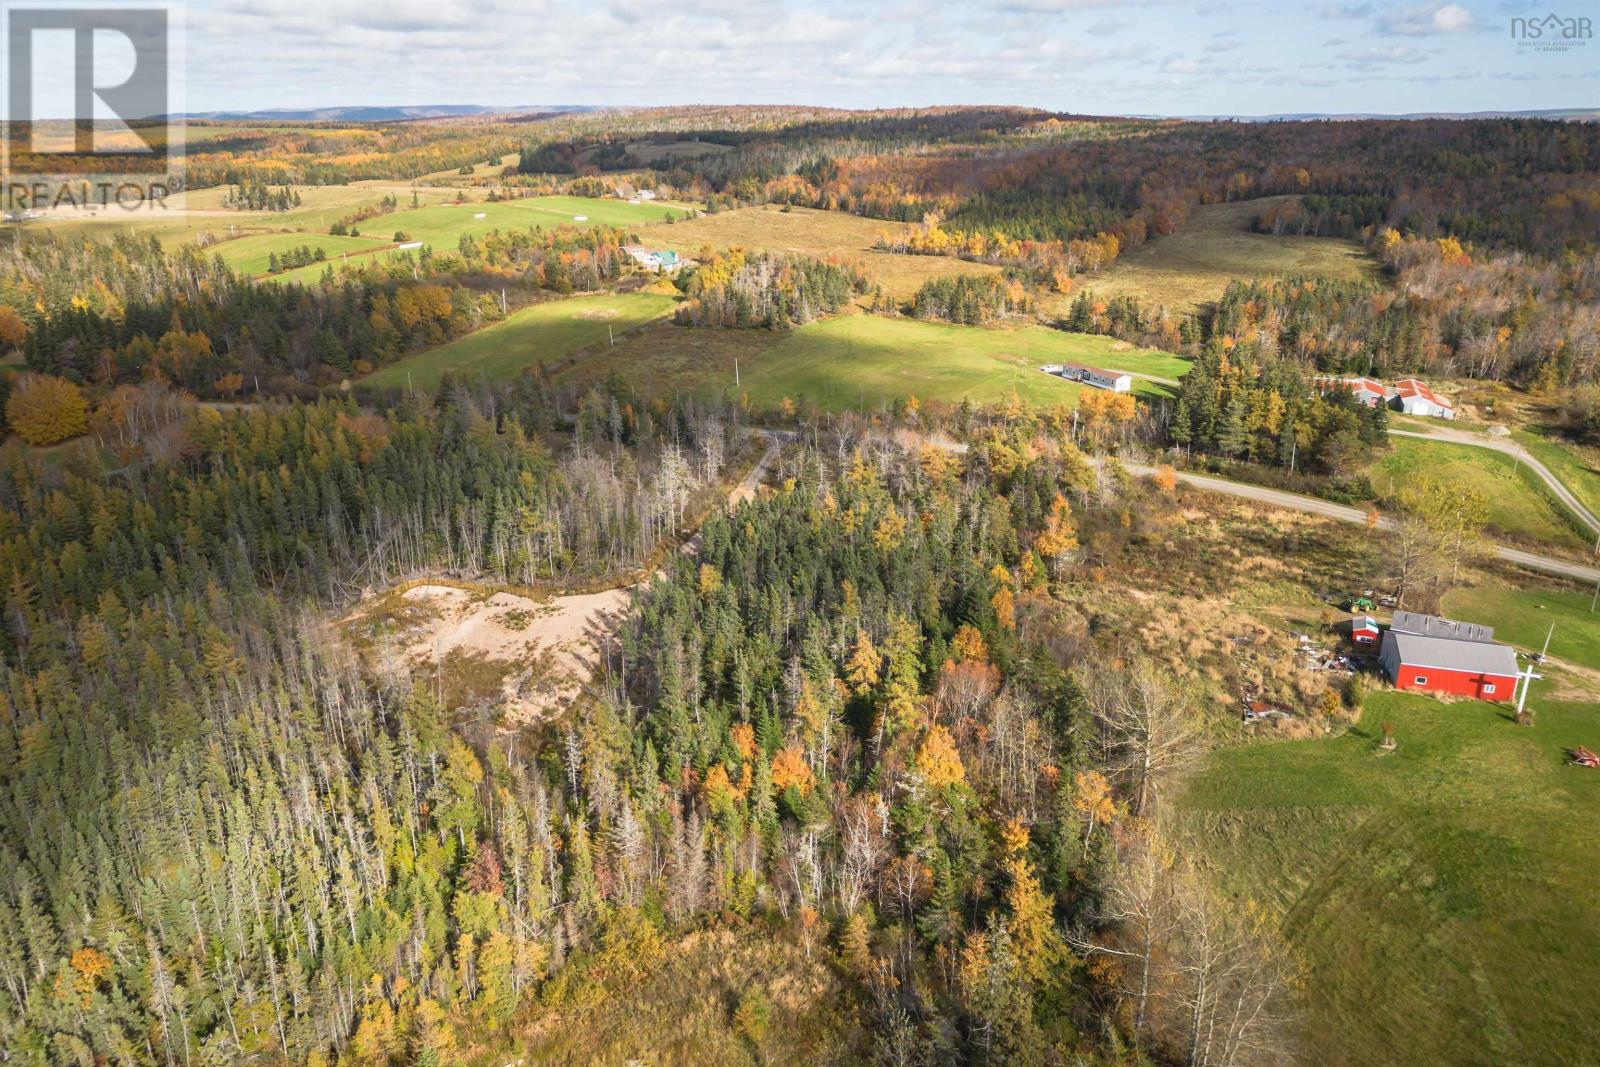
(1441, 896)
(1578, 466)
(864, 360)
(251, 255)
(1195, 265)
(812, 233)
(443, 225)
(1520, 507)
(1524, 617)
(527, 338)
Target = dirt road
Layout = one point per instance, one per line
(1510, 448)
(1316, 506)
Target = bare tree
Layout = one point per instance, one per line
(1138, 920)
(1147, 732)
(1234, 978)
(1207, 978)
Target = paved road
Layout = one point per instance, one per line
(1511, 448)
(1315, 506)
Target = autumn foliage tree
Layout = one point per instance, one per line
(13, 331)
(43, 409)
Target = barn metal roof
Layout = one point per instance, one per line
(1414, 622)
(1443, 653)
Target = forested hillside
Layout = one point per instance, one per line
(841, 721)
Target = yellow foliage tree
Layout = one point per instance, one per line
(968, 644)
(938, 761)
(710, 579)
(861, 671)
(1039, 945)
(1004, 603)
(1060, 534)
(1091, 797)
(43, 409)
(890, 531)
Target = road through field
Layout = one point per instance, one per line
(1316, 506)
(1511, 448)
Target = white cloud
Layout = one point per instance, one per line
(1428, 19)
(1088, 56)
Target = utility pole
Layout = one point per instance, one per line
(736, 372)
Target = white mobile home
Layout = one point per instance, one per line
(1115, 381)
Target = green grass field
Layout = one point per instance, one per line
(1194, 265)
(531, 336)
(867, 360)
(442, 226)
(1441, 896)
(1577, 467)
(249, 255)
(856, 360)
(1523, 617)
(1519, 505)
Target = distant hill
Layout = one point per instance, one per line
(401, 113)
(381, 113)
(1565, 114)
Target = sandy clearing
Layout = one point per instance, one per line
(552, 648)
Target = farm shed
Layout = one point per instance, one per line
(1368, 392)
(1409, 395)
(1415, 398)
(1427, 653)
(1364, 631)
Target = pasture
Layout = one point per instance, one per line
(1520, 508)
(819, 234)
(856, 361)
(1577, 466)
(252, 255)
(1194, 265)
(528, 337)
(443, 225)
(1523, 616)
(1441, 895)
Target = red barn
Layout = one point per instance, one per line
(1444, 656)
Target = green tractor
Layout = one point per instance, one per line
(1359, 605)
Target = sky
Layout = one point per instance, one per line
(1084, 56)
